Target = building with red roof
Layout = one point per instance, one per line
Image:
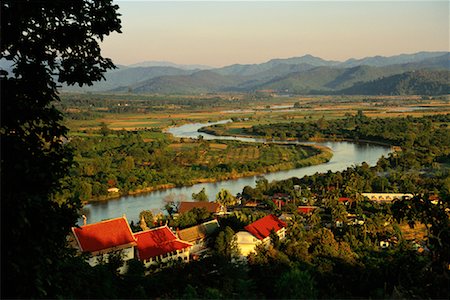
(258, 232)
(261, 228)
(160, 245)
(345, 200)
(306, 209)
(105, 238)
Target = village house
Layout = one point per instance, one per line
(104, 239)
(113, 190)
(306, 209)
(198, 235)
(345, 200)
(160, 246)
(251, 203)
(258, 233)
(386, 197)
(280, 199)
(211, 207)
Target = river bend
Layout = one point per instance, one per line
(345, 154)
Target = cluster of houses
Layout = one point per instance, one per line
(162, 245)
(158, 245)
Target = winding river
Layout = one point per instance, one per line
(345, 154)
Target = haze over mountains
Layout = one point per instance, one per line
(297, 75)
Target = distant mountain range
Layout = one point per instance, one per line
(421, 73)
(169, 64)
(420, 82)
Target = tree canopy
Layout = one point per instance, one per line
(47, 42)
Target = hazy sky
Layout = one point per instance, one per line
(221, 33)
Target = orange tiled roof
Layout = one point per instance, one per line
(158, 241)
(262, 227)
(103, 235)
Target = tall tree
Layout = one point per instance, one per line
(225, 198)
(47, 41)
(225, 244)
(200, 196)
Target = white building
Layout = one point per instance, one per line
(104, 239)
(386, 197)
(258, 233)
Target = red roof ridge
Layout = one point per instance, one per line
(159, 228)
(149, 245)
(153, 229)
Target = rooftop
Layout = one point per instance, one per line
(198, 232)
(186, 206)
(262, 227)
(158, 241)
(104, 235)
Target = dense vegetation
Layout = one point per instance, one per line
(124, 160)
(397, 131)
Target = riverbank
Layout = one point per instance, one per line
(324, 155)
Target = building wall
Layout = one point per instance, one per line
(385, 196)
(178, 255)
(282, 233)
(198, 246)
(247, 243)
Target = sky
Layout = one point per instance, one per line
(219, 33)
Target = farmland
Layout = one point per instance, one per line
(85, 113)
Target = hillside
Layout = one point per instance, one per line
(198, 82)
(126, 76)
(326, 79)
(381, 61)
(410, 83)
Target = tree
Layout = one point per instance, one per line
(250, 193)
(225, 198)
(225, 244)
(104, 130)
(46, 41)
(295, 284)
(262, 184)
(200, 196)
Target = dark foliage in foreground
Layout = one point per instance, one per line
(42, 38)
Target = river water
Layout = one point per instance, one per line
(345, 154)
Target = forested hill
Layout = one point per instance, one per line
(410, 83)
